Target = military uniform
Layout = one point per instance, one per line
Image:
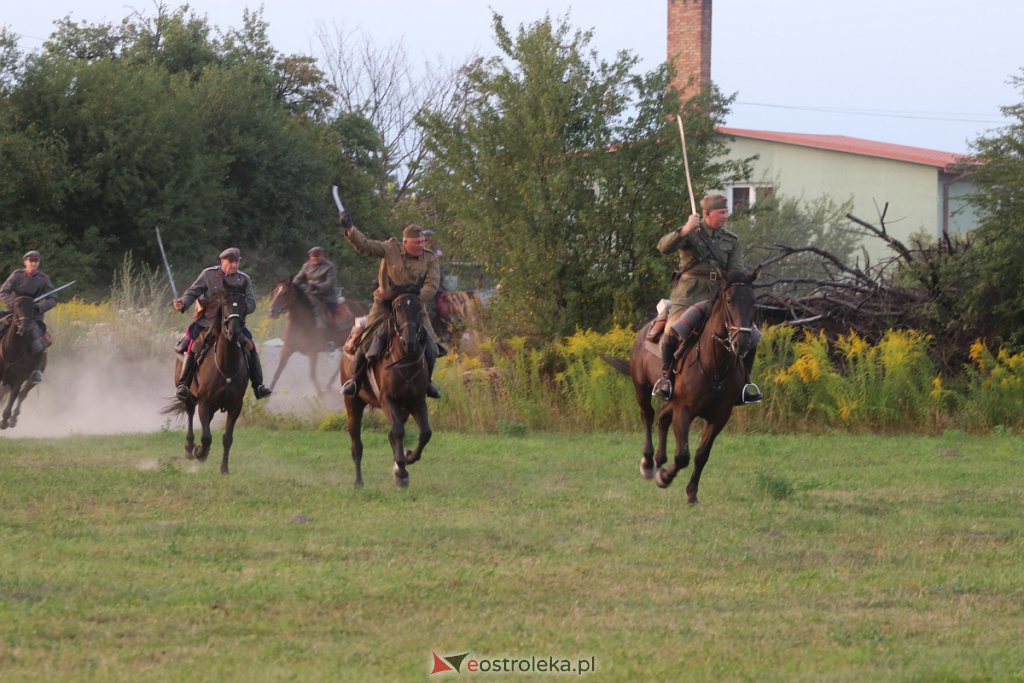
(703, 252)
(700, 252)
(318, 281)
(401, 269)
(211, 289)
(20, 283)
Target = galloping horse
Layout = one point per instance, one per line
(401, 382)
(16, 358)
(300, 333)
(709, 378)
(220, 382)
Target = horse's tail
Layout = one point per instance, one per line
(177, 408)
(620, 364)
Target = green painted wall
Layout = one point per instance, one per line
(913, 191)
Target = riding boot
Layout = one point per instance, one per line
(669, 343)
(351, 387)
(433, 391)
(188, 371)
(256, 376)
(751, 392)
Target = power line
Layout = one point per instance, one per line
(923, 116)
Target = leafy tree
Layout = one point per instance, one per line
(994, 296)
(560, 173)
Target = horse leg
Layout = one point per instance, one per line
(664, 422)
(190, 436)
(12, 393)
(354, 408)
(25, 388)
(205, 415)
(423, 422)
(312, 372)
(707, 439)
(229, 432)
(643, 399)
(396, 436)
(286, 353)
(681, 425)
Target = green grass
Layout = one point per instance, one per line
(809, 558)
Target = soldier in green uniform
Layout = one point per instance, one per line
(704, 246)
(317, 279)
(402, 263)
(30, 281)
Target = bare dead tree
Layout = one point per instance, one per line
(381, 84)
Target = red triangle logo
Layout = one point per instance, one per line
(440, 665)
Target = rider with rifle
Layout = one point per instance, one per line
(30, 281)
(317, 280)
(402, 263)
(705, 247)
(211, 289)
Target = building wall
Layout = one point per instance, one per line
(962, 216)
(912, 190)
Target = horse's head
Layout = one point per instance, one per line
(24, 312)
(735, 301)
(282, 297)
(232, 314)
(406, 312)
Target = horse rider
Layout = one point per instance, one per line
(402, 263)
(317, 280)
(705, 246)
(210, 290)
(30, 281)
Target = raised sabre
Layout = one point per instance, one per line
(686, 164)
(337, 199)
(53, 291)
(167, 266)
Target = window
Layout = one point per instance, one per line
(745, 195)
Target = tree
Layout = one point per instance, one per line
(561, 171)
(994, 296)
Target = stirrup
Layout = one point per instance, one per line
(433, 391)
(36, 377)
(349, 388)
(751, 394)
(662, 389)
(182, 392)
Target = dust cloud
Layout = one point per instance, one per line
(96, 393)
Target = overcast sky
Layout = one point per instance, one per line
(928, 73)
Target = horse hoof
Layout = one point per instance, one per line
(190, 453)
(224, 470)
(12, 422)
(3, 425)
(659, 479)
(358, 485)
(645, 471)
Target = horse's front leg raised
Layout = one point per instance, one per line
(707, 439)
(423, 422)
(286, 353)
(354, 408)
(25, 388)
(681, 425)
(12, 393)
(229, 437)
(205, 416)
(397, 416)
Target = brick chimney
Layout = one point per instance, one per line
(689, 44)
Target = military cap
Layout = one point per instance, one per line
(714, 201)
(427, 233)
(30, 254)
(412, 230)
(316, 251)
(232, 254)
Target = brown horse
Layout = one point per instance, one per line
(401, 383)
(709, 377)
(300, 333)
(220, 381)
(16, 358)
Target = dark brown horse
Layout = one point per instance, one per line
(220, 380)
(709, 377)
(16, 358)
(401, 383)
(300, 332)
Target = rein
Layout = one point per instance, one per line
(730, 343)
(405, 361)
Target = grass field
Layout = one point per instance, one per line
(843, 558)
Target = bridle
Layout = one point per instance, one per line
(405, 332)
(731, 340)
